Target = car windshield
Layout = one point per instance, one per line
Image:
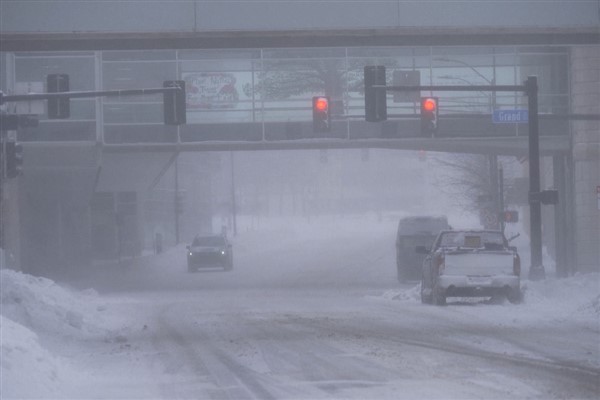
(474, 240)
(209, 241)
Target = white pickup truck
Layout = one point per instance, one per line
(470, 263)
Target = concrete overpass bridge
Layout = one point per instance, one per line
(244, 51)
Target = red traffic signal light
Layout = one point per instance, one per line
(321, 114)
(429, 104)
(429, 115)
(321, 104)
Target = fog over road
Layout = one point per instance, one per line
(314, 310)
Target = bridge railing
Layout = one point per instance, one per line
(265, 94)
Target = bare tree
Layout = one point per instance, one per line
(468, 179)
(465, 178)
(282, 79)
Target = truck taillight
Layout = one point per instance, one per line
(440, 263)
(516, 265)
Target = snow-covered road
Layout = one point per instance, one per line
(310, 311)
(281, 344)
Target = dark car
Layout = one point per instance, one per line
(415, 231)
(213, 251)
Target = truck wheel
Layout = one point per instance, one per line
(425, 299)
(439, 297)
(514, 296)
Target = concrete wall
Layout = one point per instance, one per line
(191, 16)
(585, 90)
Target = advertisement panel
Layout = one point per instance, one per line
(216, 90)
(214, 97)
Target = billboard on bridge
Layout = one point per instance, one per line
(213, 90)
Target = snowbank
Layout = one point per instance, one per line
(42, 305)
(574, 298)
(27, 368)
(32, 308)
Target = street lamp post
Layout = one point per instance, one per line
(536, 270)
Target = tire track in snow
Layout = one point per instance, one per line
(582, 378)
(226, 378)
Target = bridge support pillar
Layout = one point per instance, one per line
(585, 86)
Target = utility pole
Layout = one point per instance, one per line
(536, 271)
(494, 190)
(501, 196)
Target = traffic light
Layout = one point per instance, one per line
(58, 107)
(174, 103)
(511, 216)
(375, 99)
(14, 159)
(321, 114)
(429, 116)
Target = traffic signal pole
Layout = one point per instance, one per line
(58, 102)
(536, 271)
(82, 94)
(536, 196)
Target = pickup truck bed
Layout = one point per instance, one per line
(473, 263)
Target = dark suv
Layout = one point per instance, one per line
(415, 231)
(208, 252)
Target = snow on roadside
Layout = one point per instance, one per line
(33, 308)
(412, 295)
(42, 305)
(575, 298)
(28, 369)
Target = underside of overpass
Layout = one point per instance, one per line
(81, 171)
(315, 38)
